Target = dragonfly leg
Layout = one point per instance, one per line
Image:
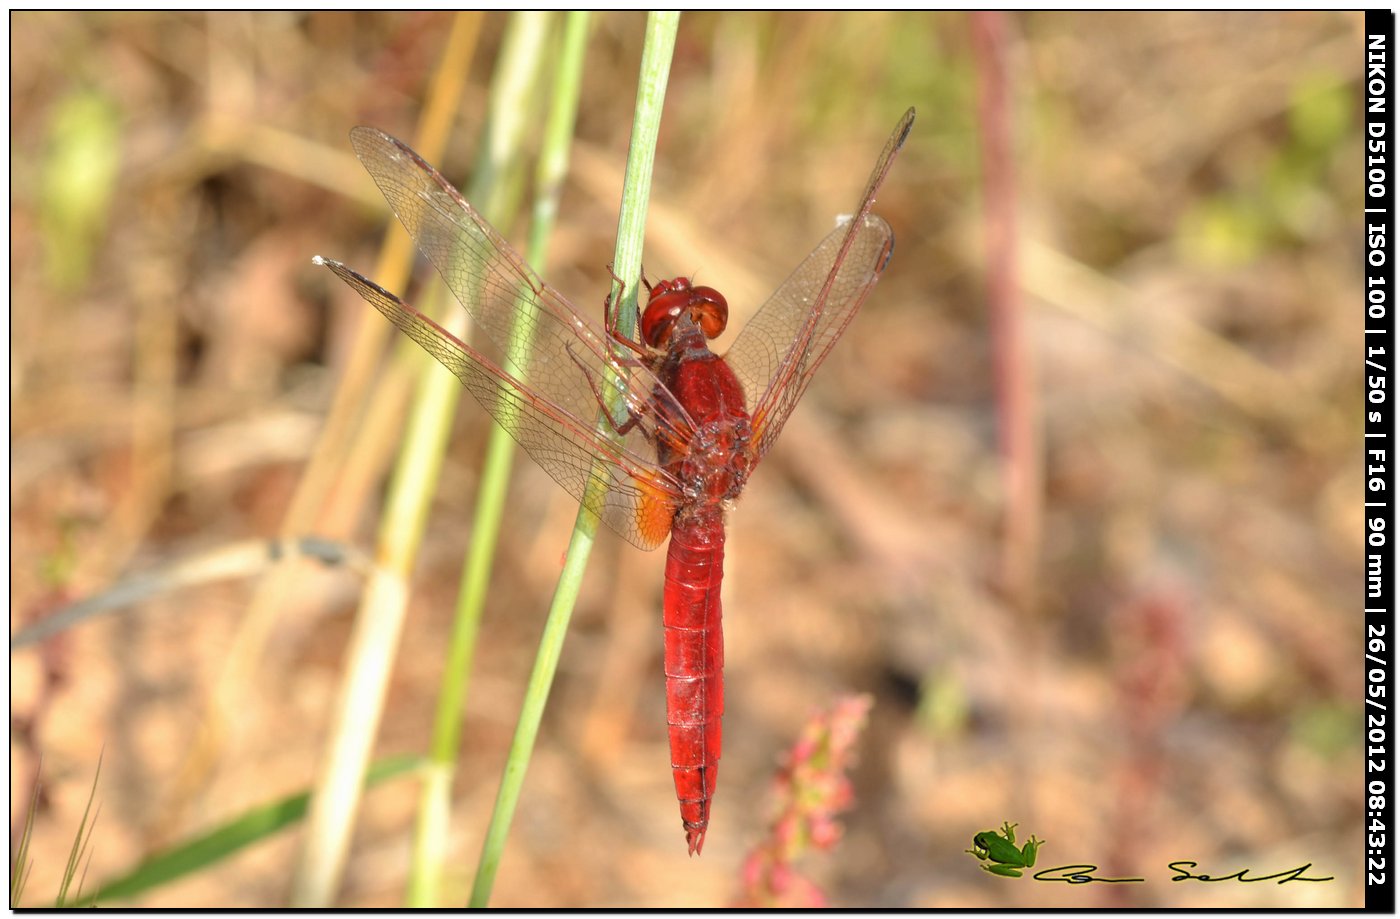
(610, 316)
(634, 417)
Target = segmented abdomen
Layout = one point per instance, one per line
(694, 664)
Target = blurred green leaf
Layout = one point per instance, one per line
(76, 182)
(1328, 729)
(218, 844)
(1322, 111)
(1222, 231)
(943, 705)
(1284, 200)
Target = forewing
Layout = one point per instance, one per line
(508, 302)
(787, 339)
(538, 366)
(617, 483)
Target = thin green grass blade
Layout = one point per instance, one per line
(224, 841)
(627, 262)
(19, 871)
(81, 841)
(434, 813)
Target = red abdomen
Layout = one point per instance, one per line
(694, 663)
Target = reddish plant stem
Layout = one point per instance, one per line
(1018, 434)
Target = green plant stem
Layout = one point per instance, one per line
(379, 620)
(627, 263)
(430, 835)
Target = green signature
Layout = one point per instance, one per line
(998, 850)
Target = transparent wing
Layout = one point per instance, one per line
(787, 339)
(628, 491)
(538, 366)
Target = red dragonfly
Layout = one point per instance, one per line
(682, 427)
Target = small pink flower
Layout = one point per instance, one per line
(811, 787)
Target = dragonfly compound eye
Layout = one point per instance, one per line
(669, 299)
(709, 309)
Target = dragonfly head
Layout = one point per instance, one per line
(669, 300)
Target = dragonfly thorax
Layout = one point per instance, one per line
(717, 465)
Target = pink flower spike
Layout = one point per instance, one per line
(811, 788)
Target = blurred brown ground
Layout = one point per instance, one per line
(1185, 683)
